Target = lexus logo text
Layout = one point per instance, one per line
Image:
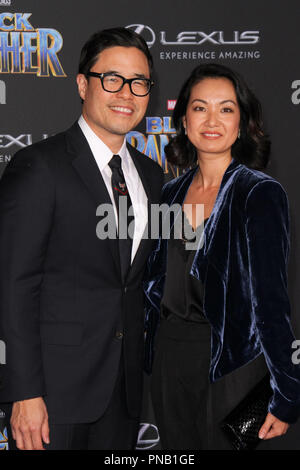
(196, 38)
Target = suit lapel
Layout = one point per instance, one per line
(145, 243)
(85, 165)
(137, 160)
(219, 215)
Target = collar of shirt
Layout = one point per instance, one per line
(101, 152)
(102, 155)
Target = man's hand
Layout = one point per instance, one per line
(272, 427)
(29, 424)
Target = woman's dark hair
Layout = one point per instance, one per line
(110, 38)
(252, 148)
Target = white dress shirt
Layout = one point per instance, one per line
(103, 155)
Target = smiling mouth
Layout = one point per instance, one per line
(122, 110)
(211, 135)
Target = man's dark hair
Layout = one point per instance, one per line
(110, 38)
(252, 148)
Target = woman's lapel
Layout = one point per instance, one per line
(214, 247)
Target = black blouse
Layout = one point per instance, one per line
(183, 294)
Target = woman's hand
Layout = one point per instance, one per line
(272, 427)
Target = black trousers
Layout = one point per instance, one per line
(114, 430)
(187, 407)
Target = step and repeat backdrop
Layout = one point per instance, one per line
(40, 42)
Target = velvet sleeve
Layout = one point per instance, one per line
(267, 228)
(153, 289)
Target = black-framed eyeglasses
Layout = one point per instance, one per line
(112, 82)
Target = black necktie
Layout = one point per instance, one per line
(120, 191)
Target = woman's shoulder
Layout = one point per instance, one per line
(171, 187)
(250, 180)
(256, 188)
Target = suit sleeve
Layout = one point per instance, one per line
(26, 210)
(153, 285)
(267, 227)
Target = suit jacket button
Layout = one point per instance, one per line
(119, 334)
(125, 289)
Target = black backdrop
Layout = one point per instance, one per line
(259, 39)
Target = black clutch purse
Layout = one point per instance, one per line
(242, 424)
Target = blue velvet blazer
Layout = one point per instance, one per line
(243, 265)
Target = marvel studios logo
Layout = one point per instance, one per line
(5, 3)
(171, 104)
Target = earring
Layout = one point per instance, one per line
(239, 134)
(185, 130)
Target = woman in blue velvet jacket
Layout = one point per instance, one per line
(217, 340)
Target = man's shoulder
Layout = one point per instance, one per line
(46, 151)
(147, 162)
(44, 148)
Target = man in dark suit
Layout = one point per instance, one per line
(71, 311)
